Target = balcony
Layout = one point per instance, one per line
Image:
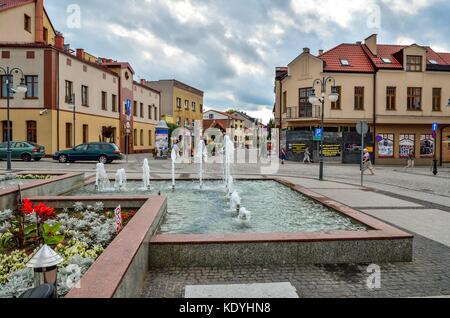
(305, 112)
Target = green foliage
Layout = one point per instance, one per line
(6, 241)
(10, 263)
(50, 234)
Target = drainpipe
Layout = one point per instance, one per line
(374, 116)
(57, 101)
(442, 144)
(281, 125)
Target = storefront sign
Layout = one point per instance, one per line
(332, 150)
(407, 145)
(299, 148)
(426, 146)
(386, 146)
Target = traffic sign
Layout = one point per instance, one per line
(318, 134)
(435, 126)
(362, 128)
(128, 107)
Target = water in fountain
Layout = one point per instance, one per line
(146, 174)
(230, 186)
(121, 180)
(229, 158)
(202, 155)
(174, 158)
(244, 215)
(235, 202)
(101, 180)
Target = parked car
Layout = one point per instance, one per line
(22, 150)
(96, 151)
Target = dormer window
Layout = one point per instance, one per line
(345, 62)
(432, 61)
(414, 63)
(387, 60)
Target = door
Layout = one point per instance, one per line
(93, 152)
(19, 149)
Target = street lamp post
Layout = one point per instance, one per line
(313, 99)
(74, 120)
(21, 88)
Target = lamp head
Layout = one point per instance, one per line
(312, 97)
(22, 87)
(334, 96)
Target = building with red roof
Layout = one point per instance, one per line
(400, 90)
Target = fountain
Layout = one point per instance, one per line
(235, 202)
(174, 158)
(229, 158)
(244, 215)
(202, 155)
(146, 174)
(121, 179)
(101, 180)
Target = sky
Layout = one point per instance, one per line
(230, 48)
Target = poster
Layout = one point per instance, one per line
(407, 143)
(162, 141)
(386, 146)
(332, 151)
(118, 219)
(426, 146)
(298, 148)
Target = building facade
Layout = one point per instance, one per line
(179, 101)
(399, 90)
(213, 119)
(73, 97)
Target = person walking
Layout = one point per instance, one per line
(411, 160)
(307, 158)
(283, 155)
(367, 162)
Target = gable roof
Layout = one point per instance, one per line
(354, 53)
(9, 4)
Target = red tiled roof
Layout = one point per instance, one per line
(383, 52)
(9, 4)
(354, 53)
(445, 57)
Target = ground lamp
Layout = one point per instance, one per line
(21, 89)
(314, 100)
(44, 263)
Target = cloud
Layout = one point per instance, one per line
(230, 48)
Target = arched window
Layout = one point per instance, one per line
(31, 131)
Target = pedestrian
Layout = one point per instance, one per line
(411, 159)
(283, 155)
(367, 162)
(307, 158)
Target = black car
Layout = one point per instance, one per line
(96, 151)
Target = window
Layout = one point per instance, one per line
(85, 134)
(46, 35)
(156, 113)
(149, 137)
(5, 130)
(135, 137)
(142, 110)
(178, 102)
(32, 87)
(69, 135)
(186, 123)
(84, 96)
(201, 108)
(211, 116)
(414, 63)
(178, 121)
(114, 103)
(6, 54)
(305, 109)
(135, 113)
(387, 60)
(432, 61)
(104, 101)
(193, 106)
(414, 98)
(345, 62)
(31, 131)
(69, 91)
(437, 94)
(186, 105)
(142, 137)
(27, 23)
(337, 105)
(4, 90)
(359, 98)
(149, 112)
(391, 93)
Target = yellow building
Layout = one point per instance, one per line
(399, 90)
(73, 97)
(180, 101)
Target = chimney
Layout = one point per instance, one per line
(80, 53)
(320, 52)
(306, 50)
(359, 43)
(143, 81)
(39, 21)
(59, 41)
(371, 43)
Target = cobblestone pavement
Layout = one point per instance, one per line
(427, 276)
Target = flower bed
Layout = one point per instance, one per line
(79, 234)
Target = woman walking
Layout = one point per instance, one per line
(307, 158)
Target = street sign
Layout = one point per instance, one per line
(362, 128)
(128, 107)
(318, 133)
(435, 126)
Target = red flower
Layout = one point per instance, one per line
(44, 211)
(27, 207)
